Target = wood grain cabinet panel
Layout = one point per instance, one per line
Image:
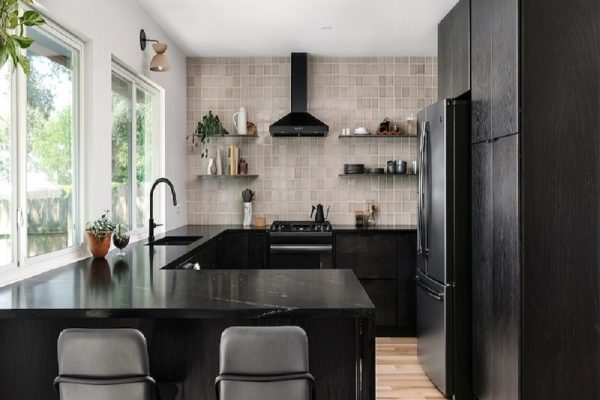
(482, 247)
(369, 255)
(454, 55)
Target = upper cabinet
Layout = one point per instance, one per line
(454, 62)
(495, 60)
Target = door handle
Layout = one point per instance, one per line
(282, 248)
(428, 291)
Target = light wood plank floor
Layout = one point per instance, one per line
(398, 373)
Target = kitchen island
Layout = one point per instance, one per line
(182, 314)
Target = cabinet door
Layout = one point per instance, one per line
(407, 293)
(481, 57)
(232, 250)
(369, 255)
(258, 252)
(506, 302)
(482, 287)
(495, 74)
(383, 295)
(445, 58)
(461, 48)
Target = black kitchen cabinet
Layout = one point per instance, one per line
(495, 68)
(258, 250)
(496, 268)
(385, 264)
(454, 75)
(506, 290)
(232, 250)
(482, 255)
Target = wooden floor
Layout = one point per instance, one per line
(398, 373)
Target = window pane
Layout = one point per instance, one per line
(145, 112)
(50, 145)
(5, 168)
(121, 144)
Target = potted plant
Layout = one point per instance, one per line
(99, 234)
(12, 38)
(209, 126)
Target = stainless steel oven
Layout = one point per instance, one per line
(300, 245)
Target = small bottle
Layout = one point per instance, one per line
(243, 167)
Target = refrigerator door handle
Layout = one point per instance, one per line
(428, 291)
(425, 189)
(419, 203)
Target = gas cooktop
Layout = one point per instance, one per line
(300, 226)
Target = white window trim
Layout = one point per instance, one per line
(23, 266)
(158, 169)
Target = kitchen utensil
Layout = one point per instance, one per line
(319, 214)
(391, 167)
(400, 166)
(361, 131)
(247, 195)
(351, 169)
(415, 169)
(240, 122)
(375, 170)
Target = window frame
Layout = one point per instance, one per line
(20, 260)
(138, 81)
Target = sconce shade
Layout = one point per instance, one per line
(160, 62)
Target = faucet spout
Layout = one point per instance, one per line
(151, 223)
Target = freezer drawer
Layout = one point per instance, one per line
(434, 331)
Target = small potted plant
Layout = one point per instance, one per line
(209, 126)
(99, 234)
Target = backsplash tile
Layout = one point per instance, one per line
(294, 173)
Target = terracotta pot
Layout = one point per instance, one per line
(99, 246)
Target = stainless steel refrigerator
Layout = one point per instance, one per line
(443, 251)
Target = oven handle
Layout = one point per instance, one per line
(301, 248)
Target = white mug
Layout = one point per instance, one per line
(240, 122)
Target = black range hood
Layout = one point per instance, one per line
(299, 122)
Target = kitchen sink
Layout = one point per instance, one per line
(175, 241)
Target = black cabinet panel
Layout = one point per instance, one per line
(506, 299)
(481, 61)
(258, 250)
(232, 250)
(560, 200)
(370, 256)
(495, 73)
(461, 50)
(445, 58)
(407, 294)
(505, 66)
(454, 56)
(482, 246)
(383, 295)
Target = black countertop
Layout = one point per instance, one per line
(137, 286)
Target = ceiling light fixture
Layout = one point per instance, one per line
(160, 62)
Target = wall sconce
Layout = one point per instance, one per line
(160, 62)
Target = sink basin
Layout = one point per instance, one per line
(175, 240)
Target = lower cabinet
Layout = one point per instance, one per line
(384, 262)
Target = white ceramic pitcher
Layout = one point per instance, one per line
(240, 121)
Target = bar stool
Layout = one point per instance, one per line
(103, 364)
(264, 363)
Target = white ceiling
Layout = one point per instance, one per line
(208, 28)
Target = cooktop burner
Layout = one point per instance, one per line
(300, 226)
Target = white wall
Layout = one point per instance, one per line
(111, 28)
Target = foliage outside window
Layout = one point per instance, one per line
(135, 153)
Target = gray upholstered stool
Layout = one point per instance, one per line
(264, 363)
(103, 364)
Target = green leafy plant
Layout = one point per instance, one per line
(121, 233)
(209, 126)
(101, 227)
(12, 29)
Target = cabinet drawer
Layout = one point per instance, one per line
(383, 294)
(370, 256)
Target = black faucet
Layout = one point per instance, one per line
(151, 224)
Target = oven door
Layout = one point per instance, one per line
(301, 251)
